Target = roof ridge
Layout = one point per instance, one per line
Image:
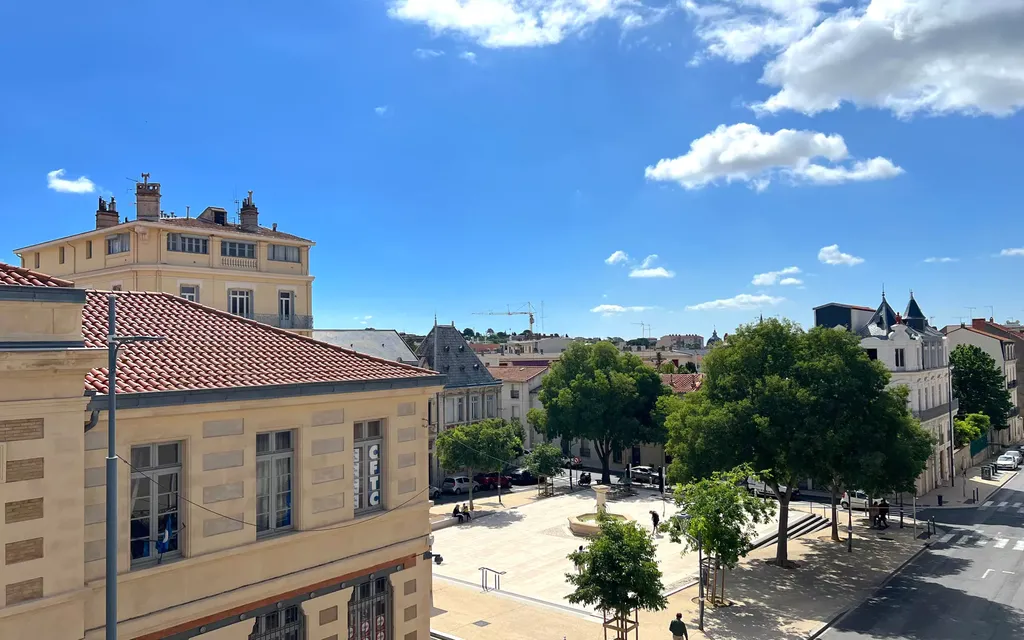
(25, 271)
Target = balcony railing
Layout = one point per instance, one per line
(935, 412)
(249, 264)
(284, 322)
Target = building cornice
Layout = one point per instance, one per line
(136, 267)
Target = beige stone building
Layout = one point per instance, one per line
(246, 269)
(270, 486)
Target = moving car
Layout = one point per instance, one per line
(1005, 462)
(859, 500)
(491, 480)
(762, 490)
(522, 475)
(458, 485)
(644, 474)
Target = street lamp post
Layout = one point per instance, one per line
(113, 343)
(949, 403)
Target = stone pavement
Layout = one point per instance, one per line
(768, 603)
(959, 494)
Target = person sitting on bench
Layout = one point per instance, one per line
(465, 511)
(458, 514)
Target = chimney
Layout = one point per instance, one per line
(978, 323)
(106, 214)
(147, 199)
(249, 215)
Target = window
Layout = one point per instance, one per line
(901, 358)
(240, 302)
(489, 405)
(274, 464)
(190, 292)
(584, 449)
(237, 249)
(116, 287)
(285, 304)
(283, 624)
(369, 610)
(60, 255)
(515, 412)
(460, 409)
(154, 522)
(449, 410)
(37, 259)
(474, 408)
(430, 411)
(88, 249)
(187, 244)
(366, 465)
(118, 243)
(514, 392)
(282, 253)
(872, 354)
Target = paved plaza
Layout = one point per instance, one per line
(530, 544)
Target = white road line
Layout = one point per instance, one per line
(987, 505)
(1020, 511)
(983, 541)
(1003, 504)
(1000, 543)
(947, 537)
(967, 540)
(1019, 545)
(987, 571)
(1016, 505)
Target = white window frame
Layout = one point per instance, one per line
(284, 253)
(289, 296)
(193, 296)
(151, 474)
(118, 243)
(460, 409)
(474, 407)
(275, 484)
(368, 478)
(234, 249)
(900, 358)
(490, 402)
(235, 297)
(514, 392)
(183, 243)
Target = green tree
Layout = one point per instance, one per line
(720, 515)
(488, 445)
(545, 461)
(689, 366)
(596, 393)
(970, 428)
(658, 359)
(618, 573)
(979, 385)
(867, 437)
(667, 367)
(468, 333)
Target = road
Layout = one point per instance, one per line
(968, 585)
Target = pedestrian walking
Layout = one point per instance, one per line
(654, 522)
(678, 628)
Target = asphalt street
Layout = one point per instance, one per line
(968, 585)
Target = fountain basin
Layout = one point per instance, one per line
(586, 525)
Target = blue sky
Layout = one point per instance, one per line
(455, 156)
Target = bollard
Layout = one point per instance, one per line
(940, 499)
(901, 518)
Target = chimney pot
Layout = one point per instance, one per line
(106, 214)
(147, 199)
(249, 215)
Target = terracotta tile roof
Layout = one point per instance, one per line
(484, 347)
(196, 223)
(513, 373)
(210, 349)
(20, 277)
(986, 333)
(682, 382)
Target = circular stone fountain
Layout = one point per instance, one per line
(586, 525)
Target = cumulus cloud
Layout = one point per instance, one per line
(790, 282)
(521, 23)
(615, 309)
(653, 272)
(743, 153)
(617, 257)
(906, 56)
(832, 255)
(381, 110)
(55, 180)
(468, 56)
(931, 260)
(1012, 252)
(426, 54)
(742, 301)
(772, 277)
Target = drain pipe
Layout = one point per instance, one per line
(94, 417)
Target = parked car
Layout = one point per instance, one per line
(1016, 455)
(762, 490)
(644, 474)
(459, 485)
(859, 500)
(1005, 462)
(571, 462)
(522, 475)
(435, 493)
(491, 480)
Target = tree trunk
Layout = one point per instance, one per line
(471, 489)
(604, 452)
(782, 547)
(835, 518)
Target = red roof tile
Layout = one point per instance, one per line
(512, 373)
(484, 347)
(209, 225)
(209, 349)
(18, 276)
(682, 382)
(986, 333)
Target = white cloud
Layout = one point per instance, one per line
(520, 23)
(790, 282)
(381, 110)
(55, 181)
(653, 272)
(468, 56)
(648, 261)
(906, 56)
(743, 153)
(941, 259)
(832, 255)
(772, 277)
(426, 54)
(614, 309)
(742, 301)
(1012, 252)
(617, 257)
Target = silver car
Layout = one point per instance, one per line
(1016, 455)
(1006, 463)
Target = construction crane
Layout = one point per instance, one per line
(509, 312)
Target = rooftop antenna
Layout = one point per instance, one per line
(971, 310)
(991, 312)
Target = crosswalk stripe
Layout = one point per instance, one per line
(1019, 545)
(983, 541)
(1016, 505)
(1000, 543)
(1020, 511)
(947, 537)
(1003, 504)
(987, 504)
(967, 540)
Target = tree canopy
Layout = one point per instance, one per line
(667, 367)
(979, 385)
(596, 393)
(545, 460)
(688, 366)
(488, 445)
(970, 428)
(618, 572)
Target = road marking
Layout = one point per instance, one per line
(947, 537)
(1003, 504)
(1016, 505)
(1000, 543)
(1008, 572)
(987, 505)
(968, 540)
(987, 571)
(982, 541)
(1019, 545)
